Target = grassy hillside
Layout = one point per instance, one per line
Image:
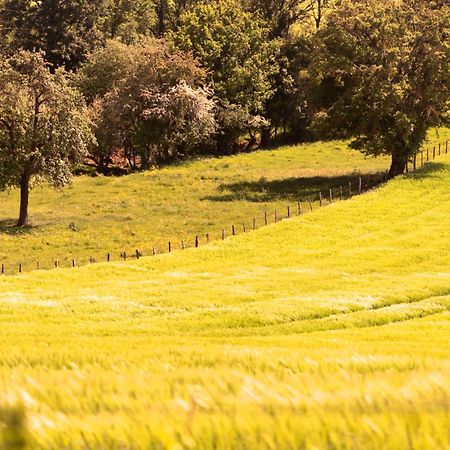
(96, 216)
(326, 331)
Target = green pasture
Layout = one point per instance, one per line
(96, 216)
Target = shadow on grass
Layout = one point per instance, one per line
(8, 226)
(265, 190)
(428, 169)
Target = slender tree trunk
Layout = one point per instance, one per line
(24, 197)
(161, 15)
(398, 165)
(265, 136)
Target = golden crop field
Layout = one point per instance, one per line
(327, 331)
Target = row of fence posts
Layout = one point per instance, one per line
(353, 188)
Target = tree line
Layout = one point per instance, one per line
(140, 83)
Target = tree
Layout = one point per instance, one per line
(168, 13)
(288, 107)
(234, 46)
(383, 75)
(43, 126)
(128, 20)
(158, 111)
(281, 15)
(105, 68)
(65, 30)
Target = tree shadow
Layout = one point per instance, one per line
(305, 188)
(428, 170)
(8, 226)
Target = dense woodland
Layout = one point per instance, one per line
(124, 85)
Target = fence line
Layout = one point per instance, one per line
(325, 198)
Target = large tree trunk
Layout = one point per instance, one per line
(24, 197)
(398, 165)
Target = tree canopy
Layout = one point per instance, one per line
(43, 125)
(157, 110)
(164, 79)
(384, 67)
(64, 30)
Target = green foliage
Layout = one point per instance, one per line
(281, 15)
(385, 68)
(329, 331)
(43, 125)
(158, 110)
(288, 106)
(235, 48)
(128, 20)
(64, 30)
(233, 45)
(105, 68)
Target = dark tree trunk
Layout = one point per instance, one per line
(398, 166)
(161, 15)
(265, 136)
(24, 197)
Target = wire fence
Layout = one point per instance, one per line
(311, 202)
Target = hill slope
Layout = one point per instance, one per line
(95, 216)
(326, 331)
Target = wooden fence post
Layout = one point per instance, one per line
(428, 154)
(446, 146)
(421, 158)
(341, 193)
(233, 230)
(74, 263)
(320, 198)
(223, 234)
(331, 196)
(275, 216)
(207, 238)
(244, 228)
(439, 149)
(350, 189)
(38, 266)
(266, 221)
(415, 161)
(254, 223)
(154, 251)
(288, 212)
(434, 152)
(196, 242)
(360, 185)
(20, 268)
(3, 269)
(56, 264)
(182, 244)
(170, 247)
(108, 257)
(138, 254)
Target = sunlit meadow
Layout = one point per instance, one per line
(329, 330)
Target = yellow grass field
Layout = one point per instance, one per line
(328, 331)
